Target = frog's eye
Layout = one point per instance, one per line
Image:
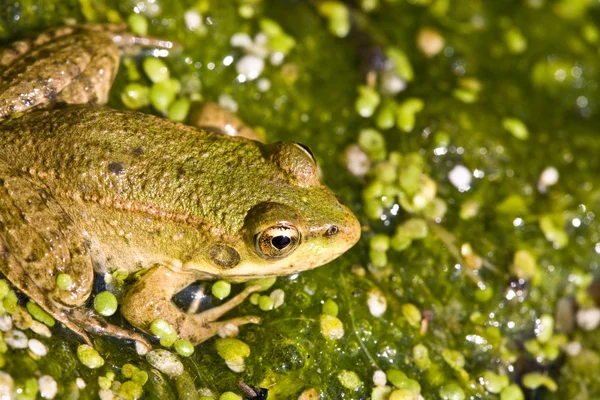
(307, 150)
(277, 241)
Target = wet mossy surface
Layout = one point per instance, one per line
(534, 61)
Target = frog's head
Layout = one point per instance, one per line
(298, 225)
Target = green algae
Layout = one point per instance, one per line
(513, 91)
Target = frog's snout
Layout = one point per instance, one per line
(346, 231)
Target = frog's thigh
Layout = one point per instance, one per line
(151, 298)
(37, 233)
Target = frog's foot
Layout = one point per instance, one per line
(85, 320)
(67, 65)
(151, 298)
(221, 328)
(213, 118)
(215, 313)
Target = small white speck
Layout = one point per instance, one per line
(548, 177)
(391, 84)
(440, 151)
(250, 66)
(38, 348)
(379, 378)
(518, 222)
(576, 222)
(6, 386)
(106, 394)
(460, 177)
(277, 58)
(377, 302)
(228, 103)
(165, 362)
(263, 85)
(141, 348)
(478, 174)
(80, 383)
(16, 339)
(47, 386)
(227, 60)
(560, 75)
(588, 319)
(573, 348)
(597, 248)
(40, 329)
(278, 296)
(261, 39)
(193, 19)
(242, 40)
(5, 323)
(510, 324)
(357, 161)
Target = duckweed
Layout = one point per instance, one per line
(166, 333)
(89, 356)
(233, 351)
(331, 327)
(130, 390)
(412, 315)
(64, 281)
(229, 396)
(138, 24)
(452, 391)
(367, 102)
(495, 383)
(105, 303)
(349, 380)
(512, 392)
(221, 289)
(516, 127)
(178, 111)
(533, 380)
(135, 96)
(156, 69)
(421, 356)
(184, 347)
(265, 303)
(330, 307)
(38, 313)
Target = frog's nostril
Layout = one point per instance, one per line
(332, 230)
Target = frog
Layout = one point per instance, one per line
(86, 190)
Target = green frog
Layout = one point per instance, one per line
(86, 189)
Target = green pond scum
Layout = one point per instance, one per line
(463, 133)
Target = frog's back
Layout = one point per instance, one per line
(138, 161)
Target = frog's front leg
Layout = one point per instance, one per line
(151, 298)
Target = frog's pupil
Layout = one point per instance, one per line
(280, 242)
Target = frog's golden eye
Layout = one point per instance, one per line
(307, 150)
(277, 241)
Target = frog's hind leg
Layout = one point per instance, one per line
(151, 298)
(38, 242)
(68, 65)
(13, 270)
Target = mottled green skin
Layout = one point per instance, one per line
(165, 176)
